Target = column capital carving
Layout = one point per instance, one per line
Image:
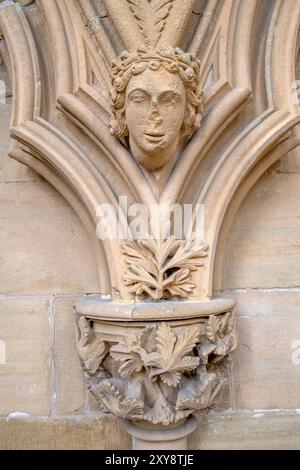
(157, 372)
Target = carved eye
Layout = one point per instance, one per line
(169, 97)
(138, 96)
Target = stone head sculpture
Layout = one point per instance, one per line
(156, 101)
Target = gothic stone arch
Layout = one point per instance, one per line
(228, 115)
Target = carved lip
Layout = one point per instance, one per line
(154, 137)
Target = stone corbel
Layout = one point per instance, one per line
(153, 365)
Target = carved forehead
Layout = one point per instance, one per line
(156, 82)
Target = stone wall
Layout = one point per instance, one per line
(47, 262)
(262, 270)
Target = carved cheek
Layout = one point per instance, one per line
(137, 113)
(175, 119)
(173, 111)
(136, 119)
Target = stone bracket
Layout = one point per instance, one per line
(157, 372)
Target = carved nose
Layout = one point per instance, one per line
(154, 114)
(154, 108)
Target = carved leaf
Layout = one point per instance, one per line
(170, 360)
(113, 399)
(162, 412)
(156, 376)
(188, 255)
(205, 348)
(85, 331)
(161, 250)
(161, 268)
(227, 324)
(128, 354)
(220, 338)
(91, 348)
(135, 272)
(198, 394)
(213, 326)
(223, 348)
(137, 251)
(177, 284)
(131, 353)
(151, 18)
(186, 341)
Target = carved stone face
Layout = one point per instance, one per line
(155, 110)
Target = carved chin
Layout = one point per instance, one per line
(152, 150)
(152, 161)
(154, 153)
(153, 157)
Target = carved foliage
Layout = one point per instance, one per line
(172, 356)
(117, 399)
(151, 18)
(198, 393)
(161, 268)
(220, 338)
(162, 375)
(169, 356)
(92, 349)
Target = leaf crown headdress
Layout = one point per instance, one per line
(151, 19)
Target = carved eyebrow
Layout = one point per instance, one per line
(169, 92)
(136, 91)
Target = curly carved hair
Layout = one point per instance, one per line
(173, 60)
